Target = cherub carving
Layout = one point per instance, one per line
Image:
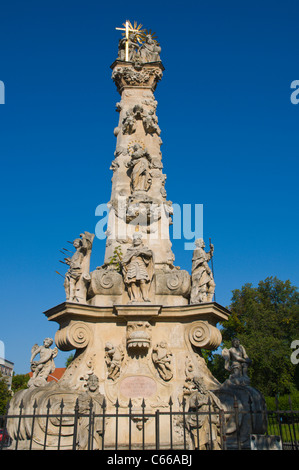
(42, 368)
(113, 357)
(162, 358)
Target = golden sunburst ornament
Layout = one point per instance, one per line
(136, 29)
(149, 32)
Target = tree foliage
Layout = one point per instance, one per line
(19, 382)
(266, 320)
(5, 395)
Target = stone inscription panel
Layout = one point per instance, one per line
(138, 387)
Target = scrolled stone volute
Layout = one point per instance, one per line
(76, 335)
(203, 335)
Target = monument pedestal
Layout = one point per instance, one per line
(138, 352)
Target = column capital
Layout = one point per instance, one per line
(136, 75)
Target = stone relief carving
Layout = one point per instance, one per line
(77, 277)
(43, 367)
(138, 269)
(136, 75)
(138, 336)
(162, 359)
(114, 356)
(237, 362)
(106, 280)
(150, 123)
(129, 122)
(148, 118)
(172, 281)
(203, 285)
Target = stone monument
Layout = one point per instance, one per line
(138, 323)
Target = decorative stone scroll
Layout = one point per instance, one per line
(105, 280)
(74, 336)
(203, 335)
(173, 282)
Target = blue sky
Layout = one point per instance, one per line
(229, 131)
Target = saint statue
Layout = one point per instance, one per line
(140, 168)
(203, 285)
(204, 424)
(91, 397)
(138, 269)
(150, 50)
(77, 276)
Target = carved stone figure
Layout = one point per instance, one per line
(162, 358)
(138, 336)
(77, 277)
(237, 362)
(113, 357)
(140, 168)
(203, 285)
(132, 47)
(90, 398)
(204, 425)
(150, 50)
(150, 123)
(129, 123)
(42, 368)
(138, 269)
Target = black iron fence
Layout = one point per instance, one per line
(131, 428)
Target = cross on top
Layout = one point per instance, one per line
(129, 29)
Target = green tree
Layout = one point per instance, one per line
(19, 382)
(69, 360)
(5, 395)
(266, 320)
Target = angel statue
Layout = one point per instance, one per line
(42, 368)
(138, 269)
(237, 362)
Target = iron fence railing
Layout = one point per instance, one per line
(115, 429)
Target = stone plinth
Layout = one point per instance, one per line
(154, 350)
